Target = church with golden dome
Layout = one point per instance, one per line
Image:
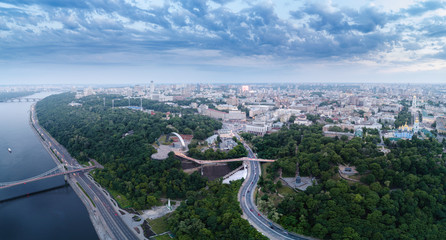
(406, 131)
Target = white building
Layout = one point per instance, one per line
(256, 129)
(231, 116)
(152, 87)
(414, 102)
(226, 107)
(236, 115)
(161, 97)
(302, 122)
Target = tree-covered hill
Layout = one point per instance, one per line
(212, 213)
(210, 210)
(402, 194)
(98, 132)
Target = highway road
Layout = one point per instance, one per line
(255, 217)
(111, 217)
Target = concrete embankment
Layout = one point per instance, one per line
(96, 219)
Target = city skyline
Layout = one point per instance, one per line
(133, 42)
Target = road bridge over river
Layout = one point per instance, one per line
(24, 99)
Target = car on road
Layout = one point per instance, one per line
(250, 209)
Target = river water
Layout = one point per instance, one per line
(54, 214)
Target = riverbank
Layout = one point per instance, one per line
(102, 209)
(48, 208)
(96, 220)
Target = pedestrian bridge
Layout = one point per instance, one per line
(182, 155)
(57, 171)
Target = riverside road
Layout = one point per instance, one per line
(119, 230)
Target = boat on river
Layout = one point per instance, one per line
(9, 150)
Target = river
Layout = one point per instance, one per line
(54, 214)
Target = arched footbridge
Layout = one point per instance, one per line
(183, 144)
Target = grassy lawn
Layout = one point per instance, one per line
(199, 147)
(163, 237)
(285, 175)
(285, 190)
(264, 166)
(162, 140)
(356, 177)
(159, 225)
(121, 199)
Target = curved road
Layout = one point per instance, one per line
(260, 222)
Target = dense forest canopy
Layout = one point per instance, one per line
(212, 213)
(95, 131)
(404, 117)
(122, 101)
(401, 195)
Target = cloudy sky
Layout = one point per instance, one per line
(222, 41)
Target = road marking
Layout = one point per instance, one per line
(247, 207)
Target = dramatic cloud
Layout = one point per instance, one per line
(423, 7)
(166, 31)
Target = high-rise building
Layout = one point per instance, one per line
(414, 101)
(152, 87)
